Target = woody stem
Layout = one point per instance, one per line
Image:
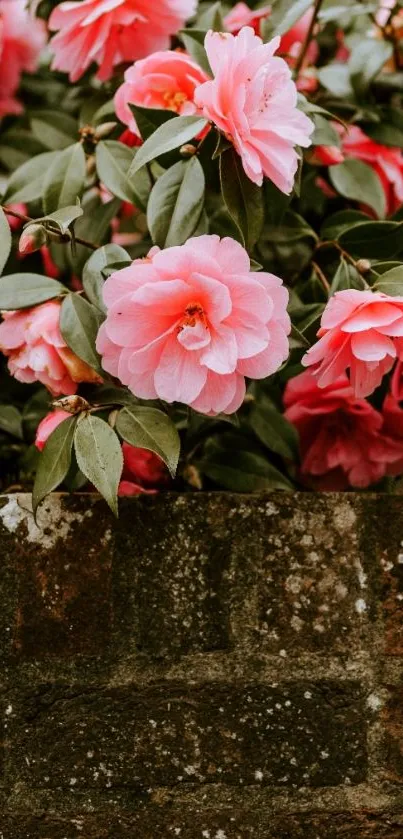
(28, 219)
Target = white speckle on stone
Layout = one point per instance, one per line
(9, 710)
(190, 770)
(374, 702)
(271, 509)
(73, 782)
(90, 754)
(206, 834)
(362, 576)
(308, 694)
(220, 835)
(283, 653)
(324, 754)
(360, 606)
(54, 522)
(258, 775)
(153, 723)
(400, 559)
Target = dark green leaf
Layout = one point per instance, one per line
(243, 199)
(324, 134)
(20, 291)
(367, 59)
(64, 179)
(176, 203)
(391, 282)
(335, 224)
(94, 226)
(99, 456)
(54, 462)
(193, 41)
(27, 182)
(79, 325)
(283, 16)
(358, 181)
(211, 18)
(55, 129)
(167, 137)
(5, 240)
(274, 431)
(248, 472)
(148, 119)
(93, 279)
(374, 239)
(64, 218)
(11, 421)
(113, 161)
(150, 429)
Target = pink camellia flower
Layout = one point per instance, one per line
(253, 101)
(188, 323)
(36, 351)
(165, 79)
(392, 412)
(21, 40)
(342, 440)
(327, 155)
(48, 425)
(386, 161)
(109, 32)
(241, 15)
(143, 472)
(361, 331)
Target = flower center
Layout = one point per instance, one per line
(194, 314)
(174, 101)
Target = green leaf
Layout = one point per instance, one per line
(346, 277)
(148, 428)
(54, 462)
(242, 198)
(5, 240)
(55, 129)
(99, 456)
(248, 472)
(11, 421)
(148, 119)
(324, 134)
(358, 181)
(93, 279)
(64, 179)
(193, 40)
(79, 325)
(274, 431)
(211, 18)
(366, 61)
(373, 239)
(334, 12)
(283, 16)
(63, 219)
(335, 224)
(391, 282)
(20, 291)
(93, 226)
(113, 162)
(336, 78)
(389, 130)
(167, 137)
(176, 203)
(27, 182)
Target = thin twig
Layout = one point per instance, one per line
(63, 238)
(319, 273)
(308, 38)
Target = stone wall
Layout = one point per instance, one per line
(208, 667)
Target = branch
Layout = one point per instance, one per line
(308, 38)
(27, 220)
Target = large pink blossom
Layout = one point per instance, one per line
(386, 161)
(188, 323)
(361, 331)
(36, 351)
(342, 440)
(109, 32)
(166, 79)
(21, 40)
(253, 101)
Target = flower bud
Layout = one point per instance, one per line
(188, 150)
(71, 404)
(33, 237)
(104, 130)
(363, 266)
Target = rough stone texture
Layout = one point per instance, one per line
(207, 667)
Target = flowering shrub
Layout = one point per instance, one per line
(201, 245)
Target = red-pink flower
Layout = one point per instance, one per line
(253, 101)
(188, 323)
(143, 471)
(109, 32)
(386, 161)
(342, 440)
(392, 410)
(48, 425)
(36, 351)
(21, 40)
(361, 331)
(241, 15)
(165, 80)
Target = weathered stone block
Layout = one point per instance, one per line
(297, 734)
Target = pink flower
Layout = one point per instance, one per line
(253, 101)
(48, 425)
(109, 32)
(386, 161)
(342, 440)
(361, 331)
(21, 40)
(187, 324)
(292, 41)
(36, 351)
(327, 155)
(165, 80)
(14, 222)
(392, 412)
(143, 471)
(241, 15)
